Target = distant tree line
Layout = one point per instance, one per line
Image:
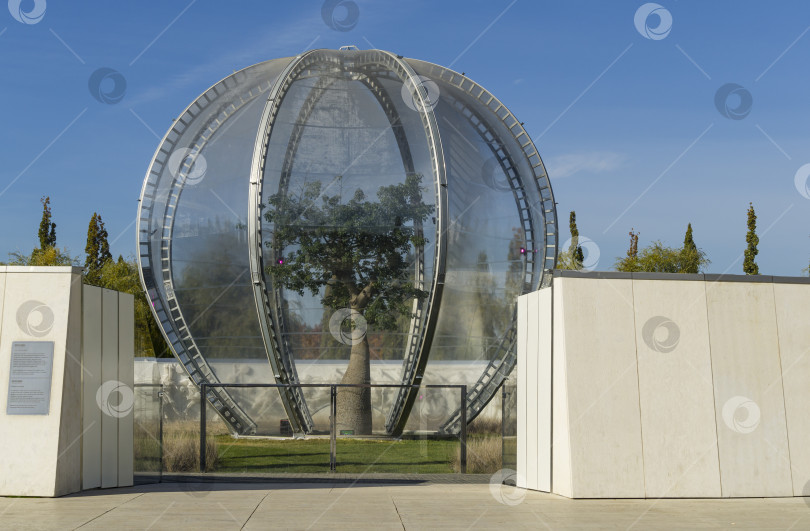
(659, 258)
(100, 269)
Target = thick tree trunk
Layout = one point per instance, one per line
(354, 403)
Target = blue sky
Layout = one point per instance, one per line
(627, 125)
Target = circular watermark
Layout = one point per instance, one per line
(507, 494)
(189, 163)
(340, 15)
(107, 85)
(741, 414)
(432, 408)
(115, 399)
(661, 334)
(348, 326)
(33, 16)
(35, 318)
(801, 181)
(590, 252)
(653, 21)
(494, 177)
(733, 101)
(426, 88)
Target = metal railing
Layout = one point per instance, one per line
(205, 388)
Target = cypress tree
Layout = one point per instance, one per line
(97, 250)
(632, 252)
(47, 229)
(749, 266)
(575, 250)
(690, 252)
(103, 245)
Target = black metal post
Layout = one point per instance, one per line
(333, 429)
(202, 427)
(462, 436)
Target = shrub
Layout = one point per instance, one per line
(483, 456)
(485, 425)
(181, 448)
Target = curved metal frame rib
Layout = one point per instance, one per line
(166, 311)
(418, 312)
(267, 300)
(504, 361)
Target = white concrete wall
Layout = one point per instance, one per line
(604, 427)
(91, 357)
(561, 470)
(109, 377)
(671, 386)
(749, 400)
(523, 446)
(63, 451)
(534, 387)
(792, 304)
(126, 375)
(41, 454)
(675, 389)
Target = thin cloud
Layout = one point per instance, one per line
(570, 164)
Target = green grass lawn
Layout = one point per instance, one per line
(353, 456)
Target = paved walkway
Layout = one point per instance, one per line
(403, 505)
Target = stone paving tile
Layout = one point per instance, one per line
(338, 505)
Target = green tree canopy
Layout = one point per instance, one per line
(359, 248)
(658, 258)
(50, 256)
(97, 250)
(122, 275)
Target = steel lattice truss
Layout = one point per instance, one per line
(374, 117)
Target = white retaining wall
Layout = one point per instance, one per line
(181, 400)
(665, 386)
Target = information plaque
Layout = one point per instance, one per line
(29, 386)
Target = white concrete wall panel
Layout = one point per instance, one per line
(544, 328)
(792, 311)
(126, 375)
(675, 389)
(603, 401)
(749, 403)
(522, 384)
(108, 397)
(532, 348)
(561, 480)
(91, 414)
(69, 462)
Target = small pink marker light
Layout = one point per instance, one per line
(522, 250)
(280, 261)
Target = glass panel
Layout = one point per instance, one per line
(509, 419)
(489, 249)
(420, 450)
(147, 434)
(349, 205)
(209, 150)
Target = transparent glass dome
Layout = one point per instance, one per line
(360, 187)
